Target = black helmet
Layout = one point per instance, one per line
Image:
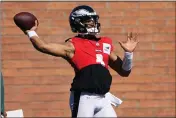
(79, 15)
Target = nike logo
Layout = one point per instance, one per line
(98, 50)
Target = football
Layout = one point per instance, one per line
(25, 20)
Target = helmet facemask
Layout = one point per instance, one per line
(92, 26)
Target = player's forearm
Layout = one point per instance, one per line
(37, 42)
(127, 61)
(124, 66)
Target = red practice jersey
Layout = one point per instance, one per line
(90, 61)
(88, 52)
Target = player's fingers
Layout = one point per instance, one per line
(121, 43)
(135, 37)
(129, 36)
(36, 23)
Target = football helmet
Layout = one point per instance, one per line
(78, 18)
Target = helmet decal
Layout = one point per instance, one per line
(82, 12)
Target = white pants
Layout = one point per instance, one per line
(91, 105)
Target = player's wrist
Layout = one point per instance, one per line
(129, 55)
(31, 33)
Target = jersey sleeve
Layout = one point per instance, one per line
(71, 40)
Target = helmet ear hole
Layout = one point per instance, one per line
(77, 20)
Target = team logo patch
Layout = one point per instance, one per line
(106, 48)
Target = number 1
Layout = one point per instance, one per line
(99, 59)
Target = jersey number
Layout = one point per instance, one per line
(99, 59)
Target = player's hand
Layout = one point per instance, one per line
(34, 28)
(130, 44)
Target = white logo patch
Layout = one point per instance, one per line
(106, 48)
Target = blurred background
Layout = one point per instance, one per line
(39, 84)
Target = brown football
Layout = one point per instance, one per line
(25, 20)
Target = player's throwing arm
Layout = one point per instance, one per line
(28, 23)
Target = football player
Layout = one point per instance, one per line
(90, 56)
